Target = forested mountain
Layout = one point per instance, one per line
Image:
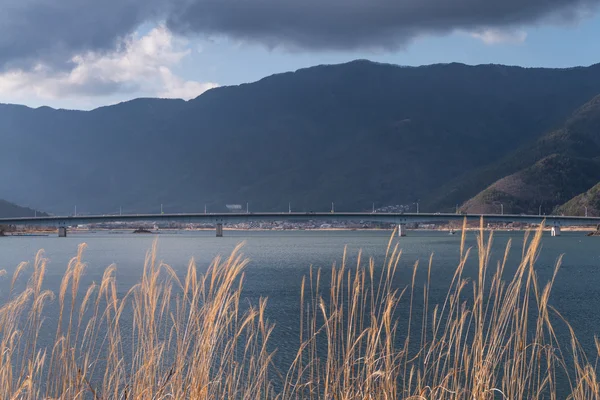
(586, 202)
(561, 165)
(355, 134)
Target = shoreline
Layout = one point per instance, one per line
(131, 230)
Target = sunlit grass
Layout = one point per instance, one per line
(360, 336)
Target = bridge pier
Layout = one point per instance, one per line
(555, 231)
(219, 230)
(62, 231)
(401, 230)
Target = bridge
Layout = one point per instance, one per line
(62, 223)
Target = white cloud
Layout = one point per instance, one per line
(175, 87)
(140, 66)
(493, 36)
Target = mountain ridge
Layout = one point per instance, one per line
(355, 61)
(353, 133)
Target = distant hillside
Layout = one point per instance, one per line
(577, 205)
(355, 134)
(551, 181)
(565, 162)
(10, 210)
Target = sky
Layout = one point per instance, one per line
(82, 54)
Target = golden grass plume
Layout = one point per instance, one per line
(361, 335)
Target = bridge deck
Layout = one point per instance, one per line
(224, 218)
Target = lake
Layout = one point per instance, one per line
(279, 260)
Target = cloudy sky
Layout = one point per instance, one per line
(86, 53)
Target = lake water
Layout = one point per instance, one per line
(279, 260)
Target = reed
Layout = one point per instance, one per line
(361, 336)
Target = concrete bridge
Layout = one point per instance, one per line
(401, 219)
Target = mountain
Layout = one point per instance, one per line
(354, 133)
(562, 164)
(577, 205)
(10, 210)
(538, 189)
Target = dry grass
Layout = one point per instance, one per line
(492, 337)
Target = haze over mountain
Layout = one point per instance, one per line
(10, 210)
(353, 133)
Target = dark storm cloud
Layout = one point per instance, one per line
(54, 30)
(350, 24)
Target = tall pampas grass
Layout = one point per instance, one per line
(361, 335)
